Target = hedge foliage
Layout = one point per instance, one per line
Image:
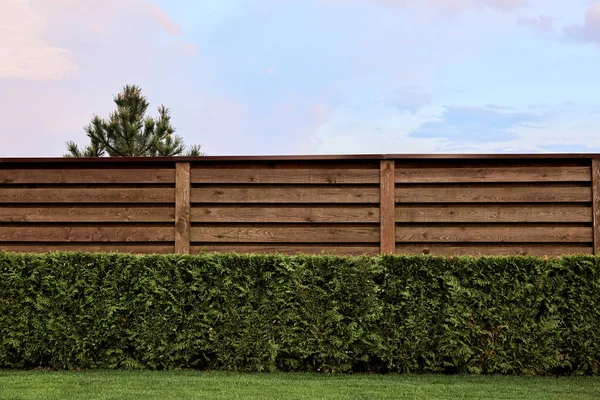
(502, 315)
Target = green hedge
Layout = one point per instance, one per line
(508, 315)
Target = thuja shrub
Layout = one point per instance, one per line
(501, 315)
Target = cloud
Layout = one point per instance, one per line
(23, 52)
(61, 62)
(498, 107)
(159, 16)
(101, 14)
(187, 48)
(410, 98)
(30, 31)
(452, 6)
(556, 128)
(474, 124)
(542, 23)
(589, 31)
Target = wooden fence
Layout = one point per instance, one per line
(469, 204)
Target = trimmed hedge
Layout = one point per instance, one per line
(501, 315)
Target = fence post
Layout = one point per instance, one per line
(596, 203)
(387, 207)
(182, 208)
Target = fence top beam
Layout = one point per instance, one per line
(349, 157)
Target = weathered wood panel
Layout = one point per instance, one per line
(494, 233)
(285, 214)
(505, 194)
(86, 214)
(261, 174)
(81, 195)
(492, 213)
(453, 206)
(493, 174)
(87, 175)
(388, 220)
(285, 195)
(134, 248)
(290, 249)
(448, 249)
(182, 209)
(87, 234)
(286, 234)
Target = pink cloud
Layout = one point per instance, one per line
(542, 23)
(187, 48)
(505, 5)
(161, 18)
(99, 15)
(61, 62)
(24, 54)
(451, 6)
(34, 33)
(589, 31)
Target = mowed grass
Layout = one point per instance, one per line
(91, 385)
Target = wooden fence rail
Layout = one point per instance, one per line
(448, 204)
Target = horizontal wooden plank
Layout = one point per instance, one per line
(80, 195)
(134, 248)
(493, 174)
(492, 213)
(87, 175)
(268, 175)
(28, 213)
(447, 249)
(285, 195)
(290, 249)
(296, 214)
(86, 234)
(519, 194)
(493, 233)
(288, 234)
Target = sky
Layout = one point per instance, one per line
(283, 77)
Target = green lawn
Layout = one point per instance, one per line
(90, 385)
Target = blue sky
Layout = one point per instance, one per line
(245, 77)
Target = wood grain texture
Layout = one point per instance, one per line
(85, 214)
(285, 213)
(387, 217)
(492, 213)
(80, 195)
(134, 248)
(509, 205)
(447, 249)
(182, 208)
(493, 174)
(273, 175)
(288, 234)
(596, 203)
(86, 234)
(289, 249)
(87, 175)
(493, 233)
(506, 194)
(285, 195)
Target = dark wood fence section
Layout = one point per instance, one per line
(286, 207)
(447, 204)
(85, 206)
(494, 208)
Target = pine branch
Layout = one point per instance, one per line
(194, 151)
(128, 132)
